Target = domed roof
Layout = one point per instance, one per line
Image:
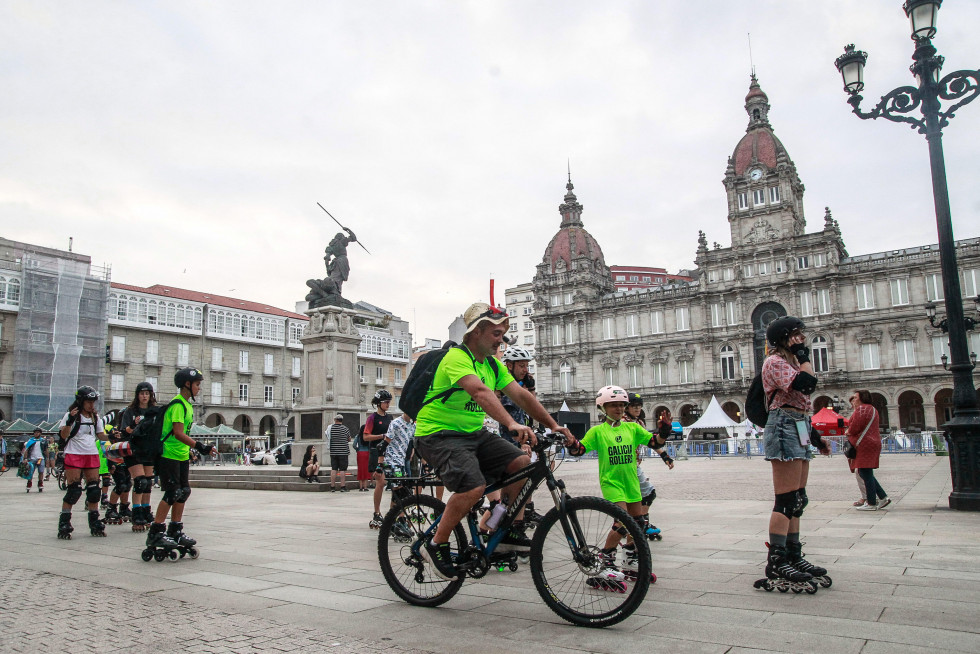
(572, 241)
(759, 145)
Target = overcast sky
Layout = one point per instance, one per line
(187, 143)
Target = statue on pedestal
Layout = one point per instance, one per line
(327, 291)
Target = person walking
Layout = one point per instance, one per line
(863, 433)
(36, 451)
(80, 428)
(338, 439)
(375, 430)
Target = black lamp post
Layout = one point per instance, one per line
(960, 87)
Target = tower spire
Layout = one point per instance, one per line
(757, 105)
(570, 209)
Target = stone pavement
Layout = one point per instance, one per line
(298, 571)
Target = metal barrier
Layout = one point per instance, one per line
(924, 444)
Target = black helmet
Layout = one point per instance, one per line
(635, 398)
(779, 329)
(86, 393)
(381, 396)
(185, 375)
(144, 386)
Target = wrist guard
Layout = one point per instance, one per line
(577, 450)
(202, 448)
(666, 457)
(801, 352)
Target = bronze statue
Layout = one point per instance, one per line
(327, 291)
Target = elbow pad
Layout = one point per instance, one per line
(804, 382)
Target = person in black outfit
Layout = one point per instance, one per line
(140, 466)
(311, 466)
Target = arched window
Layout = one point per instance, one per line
(565, 377)
(727, 362)
(13, 291)
(820, 354)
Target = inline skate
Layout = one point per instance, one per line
(185, 544)
(630, 566)
(402, 531)
(159, 546)
(794, 554)
(112, 516)
(139, 520)
(782, 576)
(376, 521)
(64, 526)
(124, 512)
(650, 531)
(96, 526)
(608, 577)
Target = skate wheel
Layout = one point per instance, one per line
(193, 553)
(658, 537)
(797, 590)
(159, 555)
(653, 578)
(146, 555)
(826, 582)
(513, 567)
(782, 589)
(172, 555)
(811, 588)
(182, 554)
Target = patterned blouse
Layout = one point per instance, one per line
(778, 375)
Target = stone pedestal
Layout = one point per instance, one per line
(331, 384)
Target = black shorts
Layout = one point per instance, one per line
(467, 461)
(339, 463)
(173, 474)
(373, 456)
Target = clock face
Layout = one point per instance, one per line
(756, 174)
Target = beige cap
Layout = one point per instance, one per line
(480, 311)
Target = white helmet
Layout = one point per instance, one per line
(610, 394)
(516, 353)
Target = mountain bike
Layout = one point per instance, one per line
(566, 560)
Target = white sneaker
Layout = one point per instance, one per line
(884, 502)
(868, 507)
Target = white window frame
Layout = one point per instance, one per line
(117, 387)
(759, 197)
(748, 270)
(971, 282)
(217, 358)
(657, 322)
(268, 394)
(686, 370)
(243, 395)
(819, 260)
(899, 287)
(243, 361)
(870, 356)
(779, 266)
(659, 374)
(730, 313)
(820, 354)
(682, 319)
(940, 346)
(716, 314)
(802, 262)
(774, 195)
(823, 301)
(567, 298)
(565, 377)
(632, 324)
(765, 268)
(152, 351)
(297, 366)
(360, 372)
(934, 288)
(556, 300)
(806, 304)
(183, 354)
(216, 393)
(153, 381)
(609, 375)
(727, 360)
(118, 348)
(728, 274)
(608, 328)
(268, 364)
(743, 201)
(379, 375)
(296, 394)
(905, 350)
(865, 296)
(556, 334)
(634, 375)
(569, 333)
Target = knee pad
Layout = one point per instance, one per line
(124, 485)
(183, 493)
(106, 481)
(801, 501)
(143, 485)
(620, 529)
(785, 503)
(648, 499)
(92, 493)
(73, 493)
(171, 494)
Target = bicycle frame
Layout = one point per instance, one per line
(535, 473)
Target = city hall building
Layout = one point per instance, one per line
(680, 343)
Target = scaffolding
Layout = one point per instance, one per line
(61, 331)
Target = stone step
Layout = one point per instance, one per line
(268, 485)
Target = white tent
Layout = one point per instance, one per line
(713, 421)
(746, 429)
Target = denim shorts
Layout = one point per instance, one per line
(782, 439)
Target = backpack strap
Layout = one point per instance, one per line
(172, 403)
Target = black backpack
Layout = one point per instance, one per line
(75, 426)
(147, 438)
(756, 403)
(419, 381)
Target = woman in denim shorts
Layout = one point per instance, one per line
(788, 380)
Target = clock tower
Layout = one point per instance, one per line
(765, 195)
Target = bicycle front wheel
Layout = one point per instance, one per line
(410, 576)
(575, 589)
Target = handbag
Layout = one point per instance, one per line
(850, 451)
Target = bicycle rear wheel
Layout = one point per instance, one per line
(410, 576)
(564, 584)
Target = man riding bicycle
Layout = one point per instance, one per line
(449, 430)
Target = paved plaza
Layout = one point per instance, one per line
(298, 572)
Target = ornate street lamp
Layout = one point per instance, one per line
(958, 88)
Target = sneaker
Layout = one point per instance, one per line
(344, 489)
(883, 502)
(514, 541)
(867, 507)
(860, 502)
(440, 557)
